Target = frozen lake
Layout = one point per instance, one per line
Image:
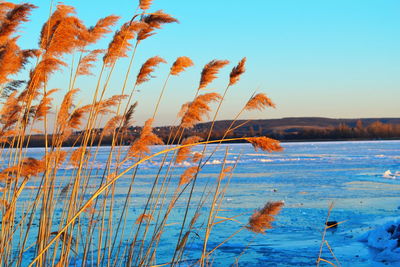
(307, 176)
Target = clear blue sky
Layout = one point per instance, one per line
(331, 58)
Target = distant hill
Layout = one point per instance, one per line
(305, 128)
(285, 129)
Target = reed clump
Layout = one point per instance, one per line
(86, 205)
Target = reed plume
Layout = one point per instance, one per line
(54, 158)
(63, 114)
(10, 112)
(4, 8)
(259, 101)
(13, 19)
(75, 157)
(103, 107)
(13, 59)
(236, 72)
(119, 46)
(265, 143)
(194, 111)
(39, 75)
(147, 68)
(144, 217)
(147, 138)
(44, 107)
(145, 4)
(112, 125)
(96, 32)
(183, 152)
(226, 171)
(128, 115)
(197, 156)
(62, 33)
(75, 118)
(261, 220)
(180, 65)
(28, 167)
(210, 71)
(87, 62)
(154, 21)
(188, 175)
(11, 87)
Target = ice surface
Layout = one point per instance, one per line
(307, 176)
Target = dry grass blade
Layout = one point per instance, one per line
(261, 220)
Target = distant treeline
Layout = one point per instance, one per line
(376, 130)
(286, 129)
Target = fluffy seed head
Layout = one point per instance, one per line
(259, 101)
(265, 144)
(236, 72)
(183, 153)
(147, 69)
(261, 220)
(180, 65)
(210, 72)
(194, 112)
(188, 175)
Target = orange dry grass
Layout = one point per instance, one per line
(259, 101)
(265, 143)
(236, 72)
(210, 72)
(146, 217)
(153, 22)
(193, 112)
(12, 19)
(183, 153)
(261, 220)
(87, 62)
(180, 65)
(119, 46)
(76, 156)
(145, 4)
(146, 139)
(147, 68)
(44, 107)
(12, 59)
(188, 175)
